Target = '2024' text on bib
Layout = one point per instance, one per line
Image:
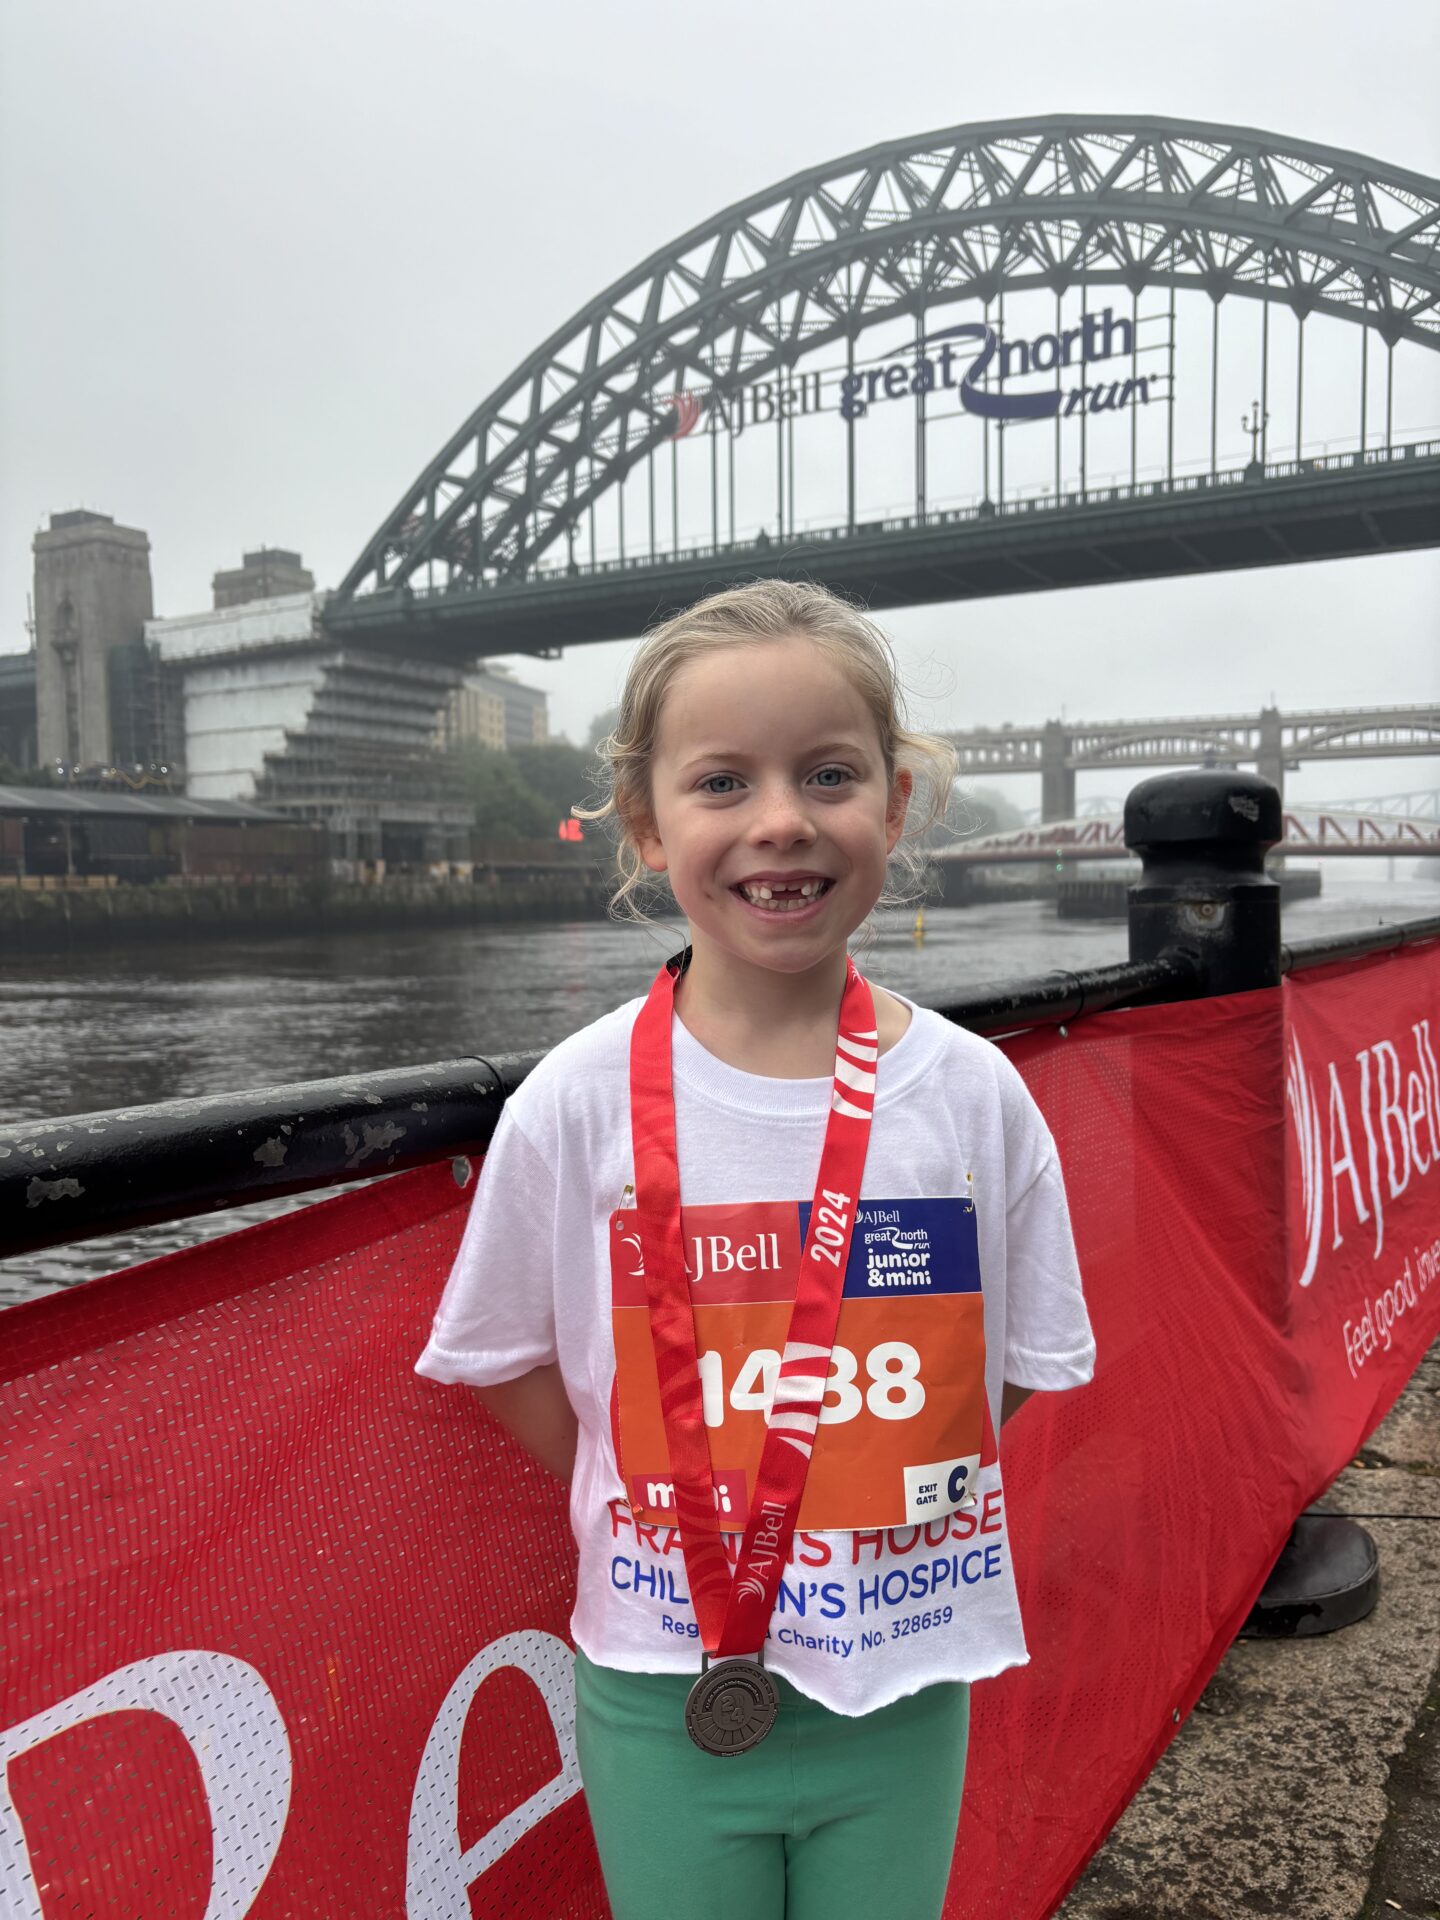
(904, 1426)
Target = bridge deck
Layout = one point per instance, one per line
(1321, 510)
(1308, 831)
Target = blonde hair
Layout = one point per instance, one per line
(746, 616)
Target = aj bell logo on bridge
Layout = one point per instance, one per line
(940, 361)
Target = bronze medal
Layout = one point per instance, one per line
(731, 1707)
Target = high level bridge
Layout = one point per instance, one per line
(1272, 740)
(992, 359)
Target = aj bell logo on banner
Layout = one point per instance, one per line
(941, 361)
(1369, 1128)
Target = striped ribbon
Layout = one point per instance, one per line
(733, 1614)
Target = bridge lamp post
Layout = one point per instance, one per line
(1254, 424)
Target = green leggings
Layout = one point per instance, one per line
(826, 1819)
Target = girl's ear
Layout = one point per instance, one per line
(648, 845)
(898, 806)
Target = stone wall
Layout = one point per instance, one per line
(35, 919)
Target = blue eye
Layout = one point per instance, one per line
(719, 784)
(832, 776)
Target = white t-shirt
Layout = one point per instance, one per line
(862, 1618)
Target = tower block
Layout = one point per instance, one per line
(93, 596)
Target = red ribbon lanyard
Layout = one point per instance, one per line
(734, 1616)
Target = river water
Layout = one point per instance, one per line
(81, 1033)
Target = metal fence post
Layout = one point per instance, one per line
(1202, 837)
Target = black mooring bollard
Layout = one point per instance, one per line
(1202, 837)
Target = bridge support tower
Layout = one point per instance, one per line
(1057, 776)
(1270, 760)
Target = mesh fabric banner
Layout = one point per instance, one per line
(285, 1627)
(1245, 1352)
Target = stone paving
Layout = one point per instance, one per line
(1306, 1783)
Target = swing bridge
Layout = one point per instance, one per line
(821, 381)
(1313, 832)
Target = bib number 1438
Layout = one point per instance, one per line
(894, 1389)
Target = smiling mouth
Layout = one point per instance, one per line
(774, 897)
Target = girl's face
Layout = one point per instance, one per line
(772, 811)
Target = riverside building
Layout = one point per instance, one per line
(492, 708)
(251, 700)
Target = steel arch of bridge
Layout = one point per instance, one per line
(897, 229)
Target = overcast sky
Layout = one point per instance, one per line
(260, 260)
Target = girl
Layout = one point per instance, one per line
(777, 1409)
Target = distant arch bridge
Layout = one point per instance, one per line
(493, 548)
(1271, 740)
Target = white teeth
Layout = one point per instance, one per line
(758, 894)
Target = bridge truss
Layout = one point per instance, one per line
(961, 215)
(1333, 832)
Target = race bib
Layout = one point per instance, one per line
(904, 1420)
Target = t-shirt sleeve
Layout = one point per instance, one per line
(496, 1318)
(1048, 1342)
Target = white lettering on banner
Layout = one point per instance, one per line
(1306, 1121)
(1372, 1157)
(1374, 1330)
(438, 1876)
(1342, 1163)
(234, 1729)
(1395, 1091)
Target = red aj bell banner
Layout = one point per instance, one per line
(285, 1626)
(1363, 1089)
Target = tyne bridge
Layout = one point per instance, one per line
(993, 359)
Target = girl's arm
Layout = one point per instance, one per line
(1012, 1399)
(535, 1409)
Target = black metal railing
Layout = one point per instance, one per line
(1297, 955)
(89, 1174)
